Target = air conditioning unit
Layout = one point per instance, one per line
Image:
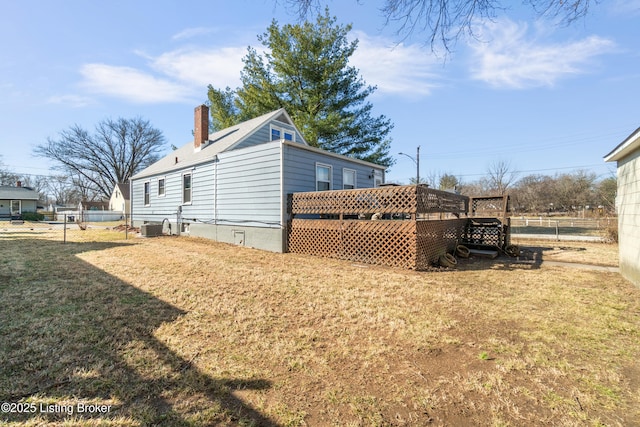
(151, 230)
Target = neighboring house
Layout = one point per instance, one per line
(119, 200)
(14, 201)
(233, 185)
(627, 156)
(94, 206)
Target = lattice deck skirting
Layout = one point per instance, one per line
(414, 245)
(377, 225)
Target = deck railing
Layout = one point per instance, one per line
(378, 225)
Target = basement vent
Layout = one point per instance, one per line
(238, 237)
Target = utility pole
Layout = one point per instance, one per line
(418, 165)
(416, 161)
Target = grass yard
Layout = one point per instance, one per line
(188, 332)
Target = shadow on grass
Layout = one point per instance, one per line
(530, 257)
(71, 333)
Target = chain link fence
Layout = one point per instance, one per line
(68, 228)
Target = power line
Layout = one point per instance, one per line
(550, 143)
(543, 170)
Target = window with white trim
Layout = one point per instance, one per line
(147, 186)
(348, 179)
(186, 188)
(323, 177)
(161, 182)
(282, 133)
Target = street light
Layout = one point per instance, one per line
(416, 161)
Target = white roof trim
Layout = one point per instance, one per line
(626, 147)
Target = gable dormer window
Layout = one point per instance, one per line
(278, 133)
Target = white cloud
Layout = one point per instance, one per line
(73, 101)
(218, 67)
(397, 69)
(511, 58)
(177, 76)
(626, 7)
(193, 32)
(182, 75)
(132, 84)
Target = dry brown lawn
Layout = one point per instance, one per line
(189, 332)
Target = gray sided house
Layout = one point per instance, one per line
(627, 156)
(14, 201)
(232, 185)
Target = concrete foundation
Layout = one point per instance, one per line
(268, 239)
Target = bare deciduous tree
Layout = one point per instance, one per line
(115, 152)
(500, 176)
(606, 191)
(62, 190)
(6, 176)
(444, 21)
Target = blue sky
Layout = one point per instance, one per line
(544, 97)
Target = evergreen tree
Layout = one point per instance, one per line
(307, 71)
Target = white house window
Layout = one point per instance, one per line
(281, 133)
(146, 193)
(161, 187)
(186, 188)
(348, 179)
(323, 177)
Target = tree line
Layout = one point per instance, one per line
(531, 194)
(571, 192)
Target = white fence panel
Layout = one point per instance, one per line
(90, 216)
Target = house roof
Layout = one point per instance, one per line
(220, 141)
(626, 147)
(9, 192)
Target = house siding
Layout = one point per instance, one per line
(118, 203)
(628, 204)
(249, 186)
(246, 191)
(300, 170)
(25, 206)
(29, 206)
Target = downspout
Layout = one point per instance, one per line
(130, 213)
(216, 160)
(284, 226)
(215, 189)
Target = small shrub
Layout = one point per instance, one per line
(611, 232)
(32, 216)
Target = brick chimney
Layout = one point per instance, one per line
(19, 184)
(201, 128)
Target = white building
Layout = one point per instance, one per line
(627, 156)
